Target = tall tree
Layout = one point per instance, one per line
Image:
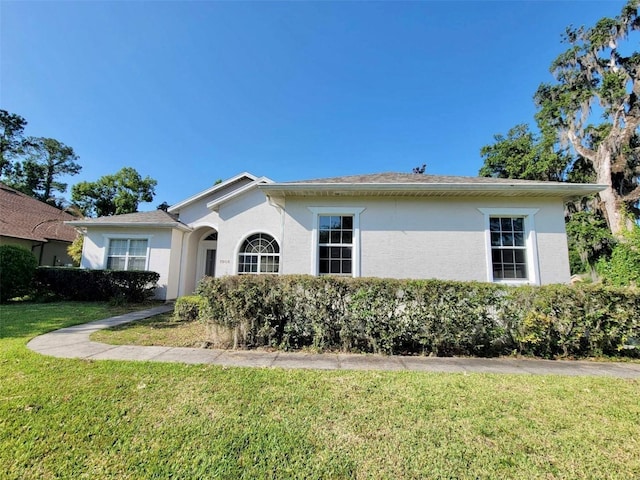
(523, 154)
(12, 141)
(595, 77)
(38, 175)
(114, 194)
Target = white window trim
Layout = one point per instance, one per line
(533, 265)
(124, 236)
(236, 256)
(315, 249)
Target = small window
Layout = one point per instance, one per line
(127, 254)
(335, 245)
(260, 253)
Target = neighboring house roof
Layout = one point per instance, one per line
(156, 218)
(22, 216)
(414, 184)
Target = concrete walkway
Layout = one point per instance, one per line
(73, 342)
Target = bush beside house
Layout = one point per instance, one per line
(623, 267)
(421, 316)
(17, 267)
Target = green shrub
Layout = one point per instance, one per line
(188, 308)
(74, 250)
(17, 267)
(572, 321)
(422, 316)
(623, 267)
(96, 285)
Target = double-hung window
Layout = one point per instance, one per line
(127, 254)
(511, 245)
(335, 243)
(508, 248)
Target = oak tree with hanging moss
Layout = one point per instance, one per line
(594, 106)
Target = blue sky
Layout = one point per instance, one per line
(190, 92)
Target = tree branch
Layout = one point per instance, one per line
(577, 145)
(632, 196)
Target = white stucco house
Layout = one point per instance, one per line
(382, 225)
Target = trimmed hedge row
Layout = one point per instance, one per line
(96, 285)
(422, 316)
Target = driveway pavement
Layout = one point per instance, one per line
(74, 342)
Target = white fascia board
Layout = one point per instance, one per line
(565, 190)
(213, 205)
(81, 224)
(210, 190)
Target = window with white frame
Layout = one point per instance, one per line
(259, 253)
(511, 245)
(335, 244)
(127, 254)
(508, 248)
(335, 240)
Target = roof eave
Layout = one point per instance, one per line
(176, 225)
(24, 237)
(564, 190)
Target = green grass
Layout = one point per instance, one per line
(158, 330)
(64, 418)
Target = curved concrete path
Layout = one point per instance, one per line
(74, 342)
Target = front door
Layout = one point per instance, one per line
(210, 263)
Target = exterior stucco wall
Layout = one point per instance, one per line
(94, 253)
(243, 216)
(399, 237)
(426, 237)
(175, 257)
(234, 221)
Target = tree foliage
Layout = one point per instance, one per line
(623, 267)
(598, 77)
(589, 240)
(34, 165)
(75, 250)
(12, 141)
(114, 194)
(38, 174)
(523, 154)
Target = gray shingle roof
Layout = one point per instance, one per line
(155, 217)
(415, 184)
(400, 178)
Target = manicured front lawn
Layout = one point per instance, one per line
(96, 419)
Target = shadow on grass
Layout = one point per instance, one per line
(163, 321)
